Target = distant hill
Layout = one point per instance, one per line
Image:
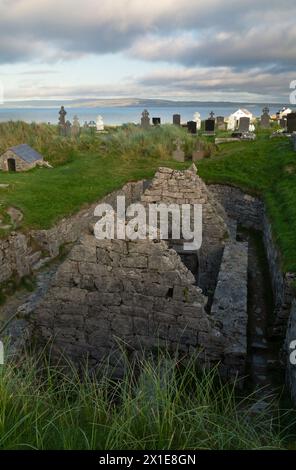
(124, 102)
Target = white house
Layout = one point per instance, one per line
(233, 119)
(284, 112)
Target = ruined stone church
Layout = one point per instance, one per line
(116, 298)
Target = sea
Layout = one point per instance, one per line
(127, 114)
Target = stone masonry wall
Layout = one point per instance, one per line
(247, 210)
(186, 187)
(229, 308)
(20, 164)
(250, 212)
(21, 254)
(137, 295)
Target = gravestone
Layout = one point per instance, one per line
(156, 121)
(68, 126)
(177, 119)
(179, 154)
(210, 126)
(291, 123)
(199, 152)
(62, 121)
(265, 119)
(197, 119)
(145, 119)
(100, 124)
(283, 123)
(85, 125)
(191, 126)
(75, 127)
(221, 126)
(244, 124)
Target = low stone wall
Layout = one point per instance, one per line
(21, 254)
(247, 210)
(229, 309)
(250, 212)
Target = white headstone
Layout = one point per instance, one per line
(100, 123)
(197, 119)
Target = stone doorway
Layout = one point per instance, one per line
(11, 164)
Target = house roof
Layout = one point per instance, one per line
(242, 111)
(26, 153)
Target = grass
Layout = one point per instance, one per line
(89, 167)
(265, 167)
(164, 408)
(44, 196)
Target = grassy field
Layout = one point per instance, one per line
(266, 167)
(166, 407)
(89, 167)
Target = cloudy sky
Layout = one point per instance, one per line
(239, 50)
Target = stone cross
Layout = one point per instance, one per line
(62, 114)
(145, 120)
(75, 127)
(62, 123)
(68, 126)
(212, 114)
(265, 118)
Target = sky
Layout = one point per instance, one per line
(208, 50)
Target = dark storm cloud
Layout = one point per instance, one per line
(223, 45)
(223, 32)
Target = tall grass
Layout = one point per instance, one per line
(131, 142)
(164, 408)
(45, 139)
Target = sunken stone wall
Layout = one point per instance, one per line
(247, 210)
(250, 212)
(186, 187)
(114, 293)
(229, 308)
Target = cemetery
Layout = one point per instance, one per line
(147, 232)
(76, 298)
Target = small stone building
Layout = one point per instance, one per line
(20, 158)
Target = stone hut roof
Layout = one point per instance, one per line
(26, 153)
